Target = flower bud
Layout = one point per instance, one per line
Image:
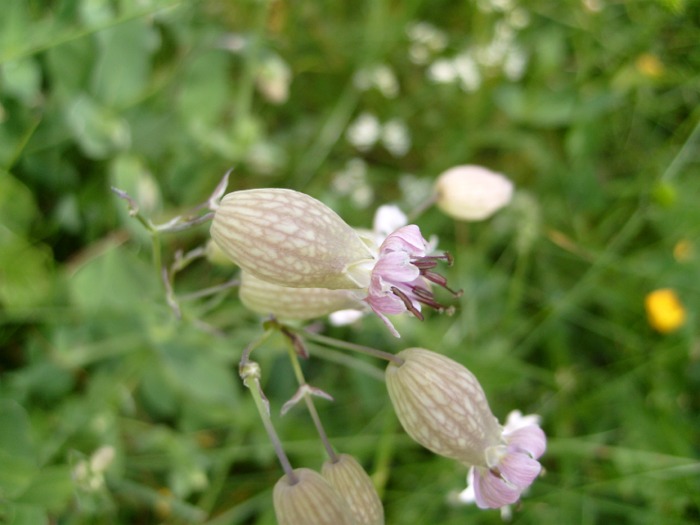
(287, 303)
(216, 256)
(309, 501)
(351, 481)
(442, 406)
(472, 193)
(288, 238)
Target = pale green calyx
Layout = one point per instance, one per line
(351, 481)
(291, 239)
(309, 500)
(300, 304)
(442, 406)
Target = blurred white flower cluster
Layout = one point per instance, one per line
(380, 77)
(367, 130)
(467, 68)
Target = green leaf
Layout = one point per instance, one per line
(25, 272)
(14, 26)
(205, 91)
(22, 79)
(99, 131)
(26, 515)
(113, 279)
(52, 488)
(18, 463)
(541, 108)
(195, 373)
(123, 66)
(17, 206)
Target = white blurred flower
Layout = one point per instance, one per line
(472, 193)
(442, 71)
(426, 41)
(380, 77)
(595, 6)
(387, 218)
(364, 132)
(468, 72)
(514, 63)
(352, 181)
(272, 78)
(89, 474)
(396, 138)
(518, 18)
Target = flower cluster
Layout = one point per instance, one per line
(300, 260)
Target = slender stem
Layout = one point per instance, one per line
(310, 405)
(232, 283)
(155, 245)
(344, 345)
(250, 374)
(418, 210)
(253, 384)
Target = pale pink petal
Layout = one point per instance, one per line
(396, 267)
(408, 239)
(387, 303)
(491, 492)
(519, 469)
(530, 439)
(386, 321)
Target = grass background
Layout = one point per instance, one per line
(599, 130)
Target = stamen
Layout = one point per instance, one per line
(407, 302)
(442, 281)
(427, 298)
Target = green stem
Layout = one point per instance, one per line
(310, 405)
(250, 374)
(329, 341)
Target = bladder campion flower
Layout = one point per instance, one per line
(292, 240)
(665, 311)
(472, 193)
(288, 238)
(442, 406)
(309, 500)
(351, 481)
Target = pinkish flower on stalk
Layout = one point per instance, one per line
(442, 406)
(524, 443)
(294, 241)
(400, 278)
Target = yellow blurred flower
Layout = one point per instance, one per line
(649, 65)
(683, 251)
(665, 311)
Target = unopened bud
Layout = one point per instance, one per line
(351, 481)
(309, 500)
(442, 406)
(288, 303)
(288, 238)
(216, 255)
(472, 193)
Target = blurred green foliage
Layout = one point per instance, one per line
(591, 107)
